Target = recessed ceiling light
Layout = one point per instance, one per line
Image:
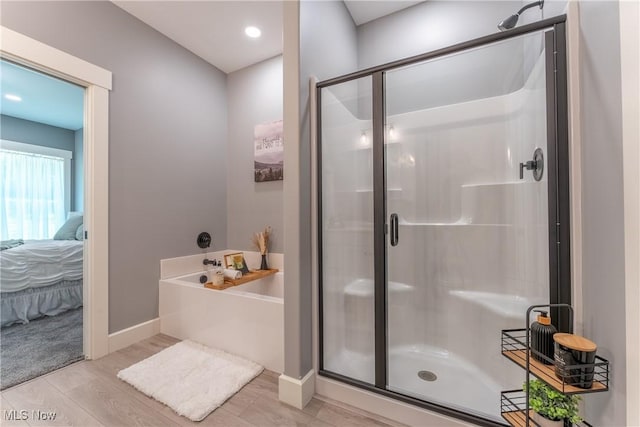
(253, 32)
(12, 97)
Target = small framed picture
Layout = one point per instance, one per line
(236, 261)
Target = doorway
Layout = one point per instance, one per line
(97, 83)
(41, 227)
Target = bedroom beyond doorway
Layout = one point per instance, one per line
(41, 223)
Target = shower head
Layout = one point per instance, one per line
(508, 23)
(511, 21)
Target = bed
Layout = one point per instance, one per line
(40, 278)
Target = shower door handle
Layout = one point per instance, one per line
(394, 229)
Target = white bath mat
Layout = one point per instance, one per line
(190, 378)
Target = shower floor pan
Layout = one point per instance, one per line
(458, 384)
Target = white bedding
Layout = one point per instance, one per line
(40, 263)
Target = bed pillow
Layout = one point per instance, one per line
(80, 232)
(74, 213)
(69, 229)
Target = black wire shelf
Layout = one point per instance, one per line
(513, 409)
(514, 348)
(515, 345)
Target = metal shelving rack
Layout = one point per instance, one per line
(515, 346)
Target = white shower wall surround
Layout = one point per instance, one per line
(473, 251)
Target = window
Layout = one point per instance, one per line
(35, 184)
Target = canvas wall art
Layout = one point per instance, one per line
(268, 152)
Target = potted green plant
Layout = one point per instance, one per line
(551, 407)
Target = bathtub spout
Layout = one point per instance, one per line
(209, 261)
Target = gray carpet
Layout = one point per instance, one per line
(40, 346)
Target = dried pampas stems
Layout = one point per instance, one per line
(261, 240)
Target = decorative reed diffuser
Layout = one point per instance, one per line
(261, 242)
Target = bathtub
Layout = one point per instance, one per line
(247, 320)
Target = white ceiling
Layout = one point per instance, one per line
(45, 99)
(363, 11)
(214, 30)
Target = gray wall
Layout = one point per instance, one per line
(428, 26)
(602, 202)
(167, 142)
(28, 132)
(78, 157)
(328, 48)
(254, 96)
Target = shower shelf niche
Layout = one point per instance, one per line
(504, 305)
(416, 224)
(368, 146)
(368, 190)
(460, 223)
(514, 346)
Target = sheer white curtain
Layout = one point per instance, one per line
(32, 195)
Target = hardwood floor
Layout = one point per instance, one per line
(88, 393)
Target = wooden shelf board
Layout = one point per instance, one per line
(547, 373)
(518, 419)
(249, 277)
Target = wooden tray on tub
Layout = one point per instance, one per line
(249, 277)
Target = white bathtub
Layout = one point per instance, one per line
(247, 320)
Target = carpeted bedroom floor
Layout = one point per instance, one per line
(40, 346)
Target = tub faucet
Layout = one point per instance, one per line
(210, 261)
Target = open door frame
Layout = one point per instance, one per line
(97, 83)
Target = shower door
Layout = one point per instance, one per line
(443, 214)
(468, 249)
(346, 208)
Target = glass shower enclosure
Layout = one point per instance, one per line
(443, 214)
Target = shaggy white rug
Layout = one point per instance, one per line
(190, 378)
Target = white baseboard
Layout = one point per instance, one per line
(295, 392)
(126, 337)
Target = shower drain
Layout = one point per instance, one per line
(427, 375)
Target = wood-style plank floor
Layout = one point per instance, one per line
(88, 393)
